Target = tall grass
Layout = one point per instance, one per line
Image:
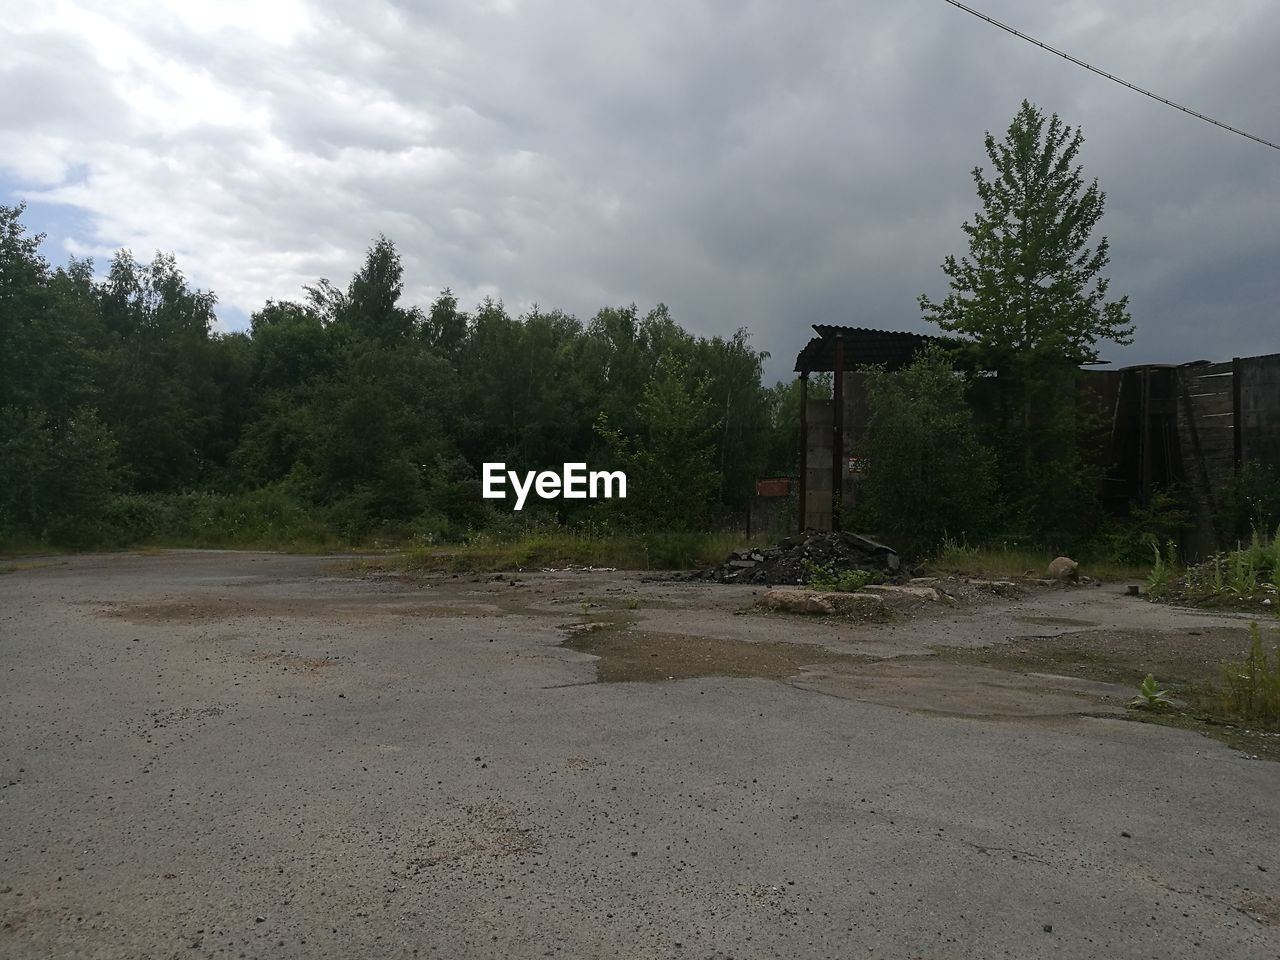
(996, 561)
(1252, 688)
(559, 548)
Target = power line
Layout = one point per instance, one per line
(1102, 73)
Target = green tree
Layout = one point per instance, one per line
(672, 479)
(1029, 303)
(159, 396)
(929, 476)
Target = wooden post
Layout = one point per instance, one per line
(837, 435)
(804, 446)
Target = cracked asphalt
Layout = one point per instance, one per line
(216, 754)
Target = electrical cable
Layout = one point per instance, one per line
(1102, 73)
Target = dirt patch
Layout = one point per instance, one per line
(165, 718)
(932, 685)
(1056, 621)
(628, 655)
(479, 834)
(1188, 663)
(926, 684)
(1185, 659)
(229, 608)
(292, 661)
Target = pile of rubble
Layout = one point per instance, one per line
(791, 560)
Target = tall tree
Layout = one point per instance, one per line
(1029, 302)
(1032, 282)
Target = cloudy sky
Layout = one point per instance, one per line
(752, 164)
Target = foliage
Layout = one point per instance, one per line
(1247, 577)
(928, 474)
(1004, 559)
(1252, 688)
(350, 415)
(1029, 303)
(1162, 569)
(56, 478)
(669, 461)
(1031, 284)
(1127, 542)
(1151, 697)
(829, 580)
(554, 546)
(1251, 502)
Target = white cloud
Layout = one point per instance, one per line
(750, 164)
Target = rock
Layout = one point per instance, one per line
(743, 564)
(1063, 569)
(795, 601)
(823, 604)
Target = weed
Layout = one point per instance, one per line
(1252, 693)
(828, 580)
(1244, 574)
(1162, 569)
(1002, 560)
(561, 547)
(1150, 696)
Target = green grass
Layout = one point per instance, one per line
(1251, 690)
(652, 551)
(1003, 561)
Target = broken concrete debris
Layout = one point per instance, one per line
(791, 560)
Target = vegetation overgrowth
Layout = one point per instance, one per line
(1247, 577)
(1250, 693)
(678, 550)
(350, 418)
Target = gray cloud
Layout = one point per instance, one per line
(755, 164)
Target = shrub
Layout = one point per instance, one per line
(1252, 692)
(1252, 502)
(829, 580)
(928, 475)
(1162, 569)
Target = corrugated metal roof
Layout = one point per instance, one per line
(862, 347)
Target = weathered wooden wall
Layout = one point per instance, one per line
(1259, 399)
(1206, 431)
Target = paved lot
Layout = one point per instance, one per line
(231, 754)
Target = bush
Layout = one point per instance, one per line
(56, 477)
(928, 474)
(261, 518)
(1251, 502)
(1128, 542)
(829, 580)
(1252, 693)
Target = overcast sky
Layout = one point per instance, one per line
(765, 165)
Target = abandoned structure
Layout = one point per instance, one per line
(1192, 425)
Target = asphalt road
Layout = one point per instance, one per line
(247, 755)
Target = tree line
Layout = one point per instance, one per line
(349, 414)
(123, 409)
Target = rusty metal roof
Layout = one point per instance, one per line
(862, 347)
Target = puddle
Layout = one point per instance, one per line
(628, 656)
